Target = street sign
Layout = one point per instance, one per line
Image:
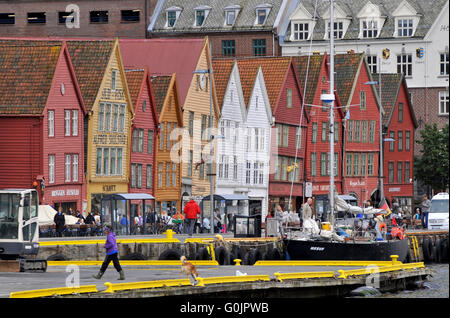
(308, 189)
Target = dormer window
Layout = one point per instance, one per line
(338, 30)
(404, 27)
(201, 13)
(172, 15)
(370, 21)
(406, 20)
(301, 31)
(231, 13)
(369, 28)
(302, 24)
(262, 12)
(342, 19)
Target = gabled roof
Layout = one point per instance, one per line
(90, 59)
(346, 70)
(26, 75)
(164, 57)
(274, 71)
(160, 86)
(135, 79)
(308, 75)
(390, 89)
(215, 21)
(222, 69)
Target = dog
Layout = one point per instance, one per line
(189, 268)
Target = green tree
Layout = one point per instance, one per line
(432, 168)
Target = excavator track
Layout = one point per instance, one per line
(23, 265)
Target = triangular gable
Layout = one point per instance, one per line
(260, 80)
(122, 74)
(173, 86)
(207, 51)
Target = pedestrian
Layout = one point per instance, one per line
(89, 219)
(426, 203)
(279, 217)
(80, 216)
(217, 221)
(306, 209)
(60, 222)
(191, 210)
(111, 254)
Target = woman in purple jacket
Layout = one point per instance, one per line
(111, 255)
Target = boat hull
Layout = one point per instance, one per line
(358, 251)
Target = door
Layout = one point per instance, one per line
(30, 217)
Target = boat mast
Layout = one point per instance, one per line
(331, 103)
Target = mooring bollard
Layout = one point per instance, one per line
(394, 259)
(237, 261)
(169, 234)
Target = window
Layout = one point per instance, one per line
(261, 173)
(101, 117)
(370, 164)
(133, 175)
(202, 171)
(284, 164)
(168, 131)
(301, 31)
(150, 142)
(108, 118)
(336, 131)
(443, 103)
(139, 175)
(36, 17)
(99, 161)
(323, 164)
(228, 47)
(160, 175)
(113, 79)
(399, 172)
(363, 164)
(400, 112)
(372, 63)
(372, 131)
(161, 136)
(348, 165)
(313, 164)
(106, 161)
(51, 123)
(404, 64)
(444, 64)
(261, 15)
(369, 29)
(112, 166)
(98, 16)
(338, 31)
(362, 100)
(174, 174)
(235, 168)
(407, 172)
(121, 117)
(230, 17)
(171, 18)
(191, 124)
(356, 164)
(51, 168)
(277, 163)
(248, 172)
(285, 135)
(119, 161)
(400, 140)
(67, 123)
(255, 172)
(350, 131)
(404, 27)
(222, 158)
(259, 47)
(149, 179)
(67, 169)
(7, 18)
(168, 174)
(204, 135)
(134, 141)
(314, 132)
(75, 168)
(199, 17)
(141, 140)
(62, 16)
(357, 130)
(407, 140)
(298, 137)
(324, 131)
(75, 122)
(391, 172)
(364, 131)
(130, 15)
(190, 162)
(392, 143)
(289, 97)
(324, 105)
(109, 161)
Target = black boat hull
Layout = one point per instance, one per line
(358, 251)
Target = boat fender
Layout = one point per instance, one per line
(426, 249)
(274, 254)
(203, 254)
(444, 251)
(438, 254)
(170, 254)
(222, 255)
(236, 252)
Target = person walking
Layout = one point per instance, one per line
(306, 209)
(426, 203)
(191, 210)
(111, 255)
(60, 222)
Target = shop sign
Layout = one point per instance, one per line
(394, 190)
(357, 184)
(109, 188)
(62, 193)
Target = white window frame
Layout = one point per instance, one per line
(67, 122)
(300, 35)
(101, 117)
(339, 29)
(372, 62)
(68, 168)
(75, 167)
(75, 122)
(260, 8)
(121, 117)
(405, 64)
(402, 30)
(149, 179)
(443, 99)
(230, 17)
(113, 80)
(177, 11)
(51, 123)
(443, 63)
(51, 168)
(108, 110)
(370, 28)
(115, 123)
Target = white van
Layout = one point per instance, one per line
(438, 216)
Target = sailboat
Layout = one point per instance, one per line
(334, 243)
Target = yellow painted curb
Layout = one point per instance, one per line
(111, 288)
(54, 291)
(134, 263)
(369, 270)
(300, 275)
(202, 281)
(119, 241)
(325, 263)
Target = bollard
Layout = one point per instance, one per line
(169, 234)
(237, 261)
(394, 259)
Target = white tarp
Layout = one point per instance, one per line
(47, 214)
(341, 205)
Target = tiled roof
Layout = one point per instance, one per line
(134, 82)
(313, 72)
(346, 67)
(215, 21)
(221, 71)
(90, 59)
(160, 85)
(428, 11)
(274, 71)
(26, 73)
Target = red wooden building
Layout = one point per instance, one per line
(41, 129)
(144, 134)
(399, 123)
(361, 146)
(313, 75)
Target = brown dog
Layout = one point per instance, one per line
(189, 268)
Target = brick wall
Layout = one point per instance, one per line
(426, 109)
(114, 27)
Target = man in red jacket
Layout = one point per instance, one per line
(190, 211)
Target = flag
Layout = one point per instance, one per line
(347, 114)
(384, 206)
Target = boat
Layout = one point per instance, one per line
(337, 241)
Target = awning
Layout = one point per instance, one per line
(129, 196)
(227, 197)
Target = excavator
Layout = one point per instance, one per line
(19, 231)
